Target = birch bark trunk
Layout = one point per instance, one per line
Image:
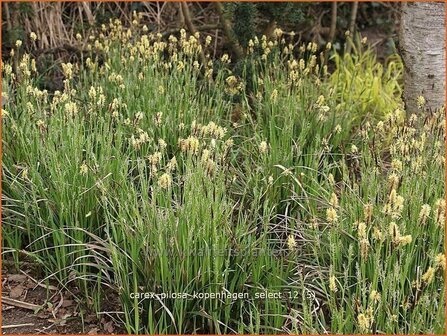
(422, 44)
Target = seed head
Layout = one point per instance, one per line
(334, 200)
(83, 169)
(375, 296)
(263, 147)
(421, 102)
(424, 213)
(291, 243)
(428, 276)
(165, 181)
(333, 284)
(331, 215)
(440, 261)
(363, 321)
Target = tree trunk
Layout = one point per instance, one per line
(422, 45)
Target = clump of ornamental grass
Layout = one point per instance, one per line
(362, 83)
(275, 197)
(382, 267)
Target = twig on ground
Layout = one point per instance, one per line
(17, 325)
(20, 304)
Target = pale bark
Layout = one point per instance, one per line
(422, 45)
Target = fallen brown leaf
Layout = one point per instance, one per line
(16, 292)
(93, 331)
(17, 277)
(67, 303)
(109, 327)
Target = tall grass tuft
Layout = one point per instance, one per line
(271, 197)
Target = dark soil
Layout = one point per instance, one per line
(29, 308)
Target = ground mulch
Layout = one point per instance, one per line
(32, 307)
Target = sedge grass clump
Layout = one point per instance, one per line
(269, 197)
(365, 85)
(378, 242)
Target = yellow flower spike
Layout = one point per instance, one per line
(278, 32)
(274, 95)
(440, 212)
(67, 69)
(83, 169)
(331, 179)
(205, 155)
(263, 147)
(40, 123)
(165, 181)
(225, 58)
(333, 284)
(158, 118)
(161, 143)
(395, 205)
(377, 234)
(189, 145)
(291, 243)
(380, 127)
(428, 276)
(424, 213)
(180, 66)
(334, 200)
(331, 215)
(374, 296)
(393, 231)
(405, 240)
(25, 173)
(361, 230)
(363, 322)
(139, 116)
(440, 261)
(210, 167)
(154, 159)
(320, 101)
(209, 73)
(181, 126)
(421, 102)
(393, 180)
(398, 207)
(71, 108)
(396, 165)
(208, 40)
(367, 213)
(292, 64)
(172, 164)
(364, 248)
